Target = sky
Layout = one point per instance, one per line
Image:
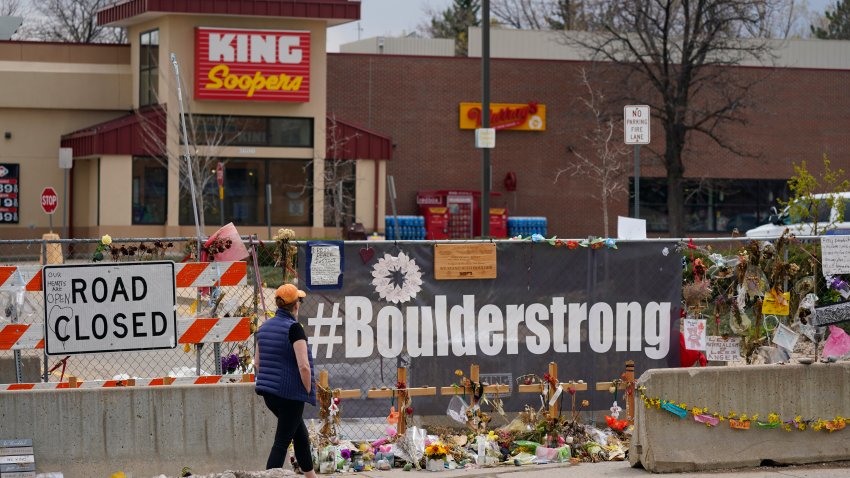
(396, 17)
(384, 18)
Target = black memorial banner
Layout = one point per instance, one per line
(588, 310)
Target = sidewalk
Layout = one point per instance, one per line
(618, 469)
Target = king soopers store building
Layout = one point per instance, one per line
(254, 77)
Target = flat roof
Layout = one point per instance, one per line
(128, 12)
(65, 52)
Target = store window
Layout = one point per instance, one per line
(245, 194)
(292, 195)
(150, 191)
(711, 205)
(253, 131)
(149, 68)
(340, 180)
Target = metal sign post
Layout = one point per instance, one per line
(66, 162)
(636, 132)
(219, 177)
(637, 181)
(269, 209)
(391, 191)
(186, 153)
(485, 116)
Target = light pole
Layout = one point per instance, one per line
(485, 116)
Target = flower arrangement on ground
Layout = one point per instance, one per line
(435, 453)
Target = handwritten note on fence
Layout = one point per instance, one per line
(722, 350)
(325, 265)
(835, 254)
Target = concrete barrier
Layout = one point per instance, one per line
(664, 443)
(142, 431)
(30, 369)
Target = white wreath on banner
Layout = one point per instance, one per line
(383, 271)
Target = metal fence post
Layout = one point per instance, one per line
(217, 354)
(198, 348)
(17, 353)
(257, 276)
(46, 375)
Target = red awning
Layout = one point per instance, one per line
(142, 133)
(348, 141)
(133, 11)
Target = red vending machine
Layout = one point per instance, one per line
(464, 213)
(461, 220)
(499, 223)
(436, 223)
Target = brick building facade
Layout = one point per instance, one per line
(796, 114)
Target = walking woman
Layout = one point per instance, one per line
(284, 367)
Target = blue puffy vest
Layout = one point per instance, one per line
(278, 374)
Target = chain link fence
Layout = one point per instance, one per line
(797, 257)
(27, 307)
(252, 300)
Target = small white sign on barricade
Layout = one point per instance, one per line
(118, 307)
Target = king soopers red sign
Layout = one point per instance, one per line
(252, 65)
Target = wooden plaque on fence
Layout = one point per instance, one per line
(465, 261)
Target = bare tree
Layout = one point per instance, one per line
(11, 8)
(340, 176)
(677, 56)
(71, 21)
(606, 165)
(782, 18)
(521, 14)
(585, 15)
(207, 136)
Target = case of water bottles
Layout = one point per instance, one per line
(410, 228)
(526, 226)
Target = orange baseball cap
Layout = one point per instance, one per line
(289, 293)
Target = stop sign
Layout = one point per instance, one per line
(49, 200)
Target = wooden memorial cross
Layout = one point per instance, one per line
(337, 393)
(468, 387)
(327, 407)
(627, 383)
(472, 386)
(403, 393)
(554, 408)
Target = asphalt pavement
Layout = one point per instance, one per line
(623, 470)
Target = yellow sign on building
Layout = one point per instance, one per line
(521, 117)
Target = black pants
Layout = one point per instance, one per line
(290, 426)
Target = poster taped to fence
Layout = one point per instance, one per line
(93, 308)
(325, 263)
(465, 261)
(587, 309)
(835, 254)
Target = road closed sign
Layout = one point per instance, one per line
(95, 308)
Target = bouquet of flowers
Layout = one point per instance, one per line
(436, 451)
(230, 363)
